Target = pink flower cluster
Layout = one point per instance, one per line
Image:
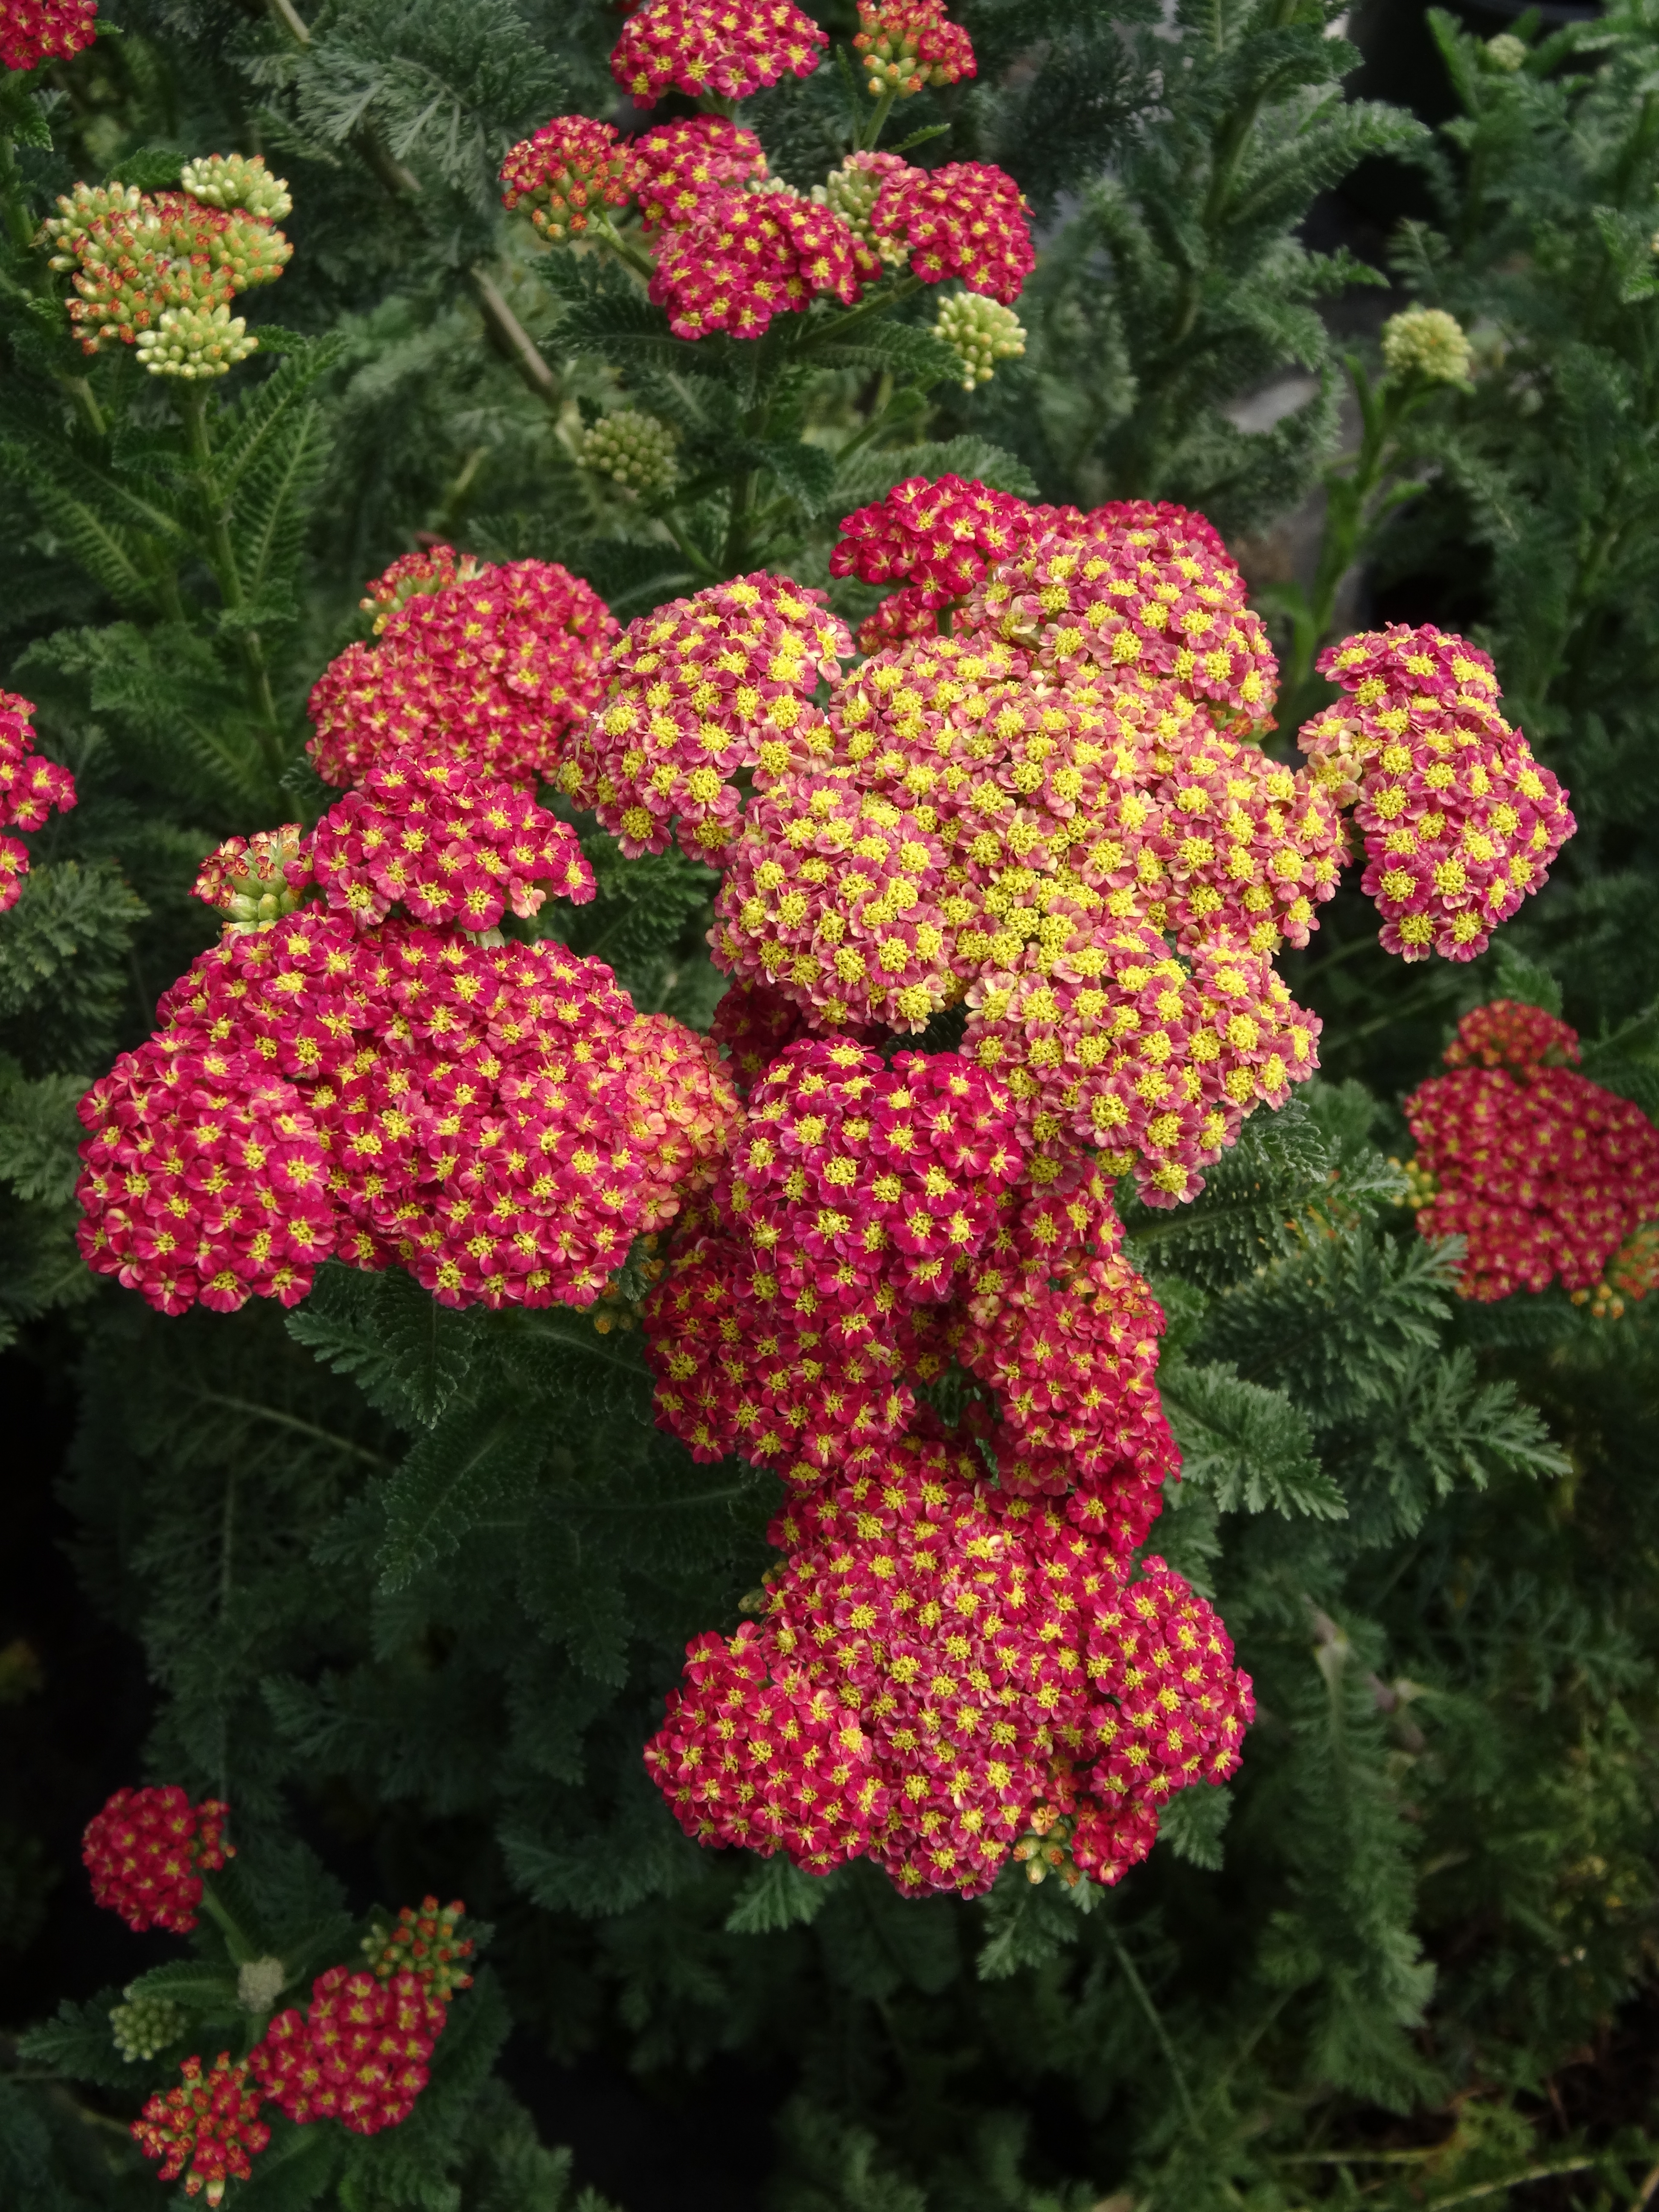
(1543, 1173)
(728, 47)
(30, 789)
(699, 690)
(204, 2129)
(936, 538)
(677, 166)
(359, 2053)
(911, 44)
(36, 31)
(1460, 821)
(487, 671)
(941, 1666)
(967, 219)
(446, 846)
(740, 258)
(571, 167)
(146, 1852)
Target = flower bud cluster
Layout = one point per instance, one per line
(446, 845)
(141, 2025)
(36, 31)
(907, 45)
(256, 880)
(937, 1661)
(1544, 1175)
(701, 690)
(980, 333)
(146, 1852)
(634, 450)
(489, 670)
(425, 1943)
(165, 268)
(852, 191)
(204, 2129)
(31, 788)
(1427, 343)
(1460, 821)
(698, 47)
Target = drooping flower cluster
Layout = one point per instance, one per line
(31, 788)
(939, 1666)
(205, 2128)
(359, 2053)
(1460, 821)
(1542, 1172)
(446, 846)
(164, 268)
(729, 47)
(488, 670)
(36, 31)
(907, 45)
(146, 1852)
(741, 258)
(967, 219)
(572, 168)
(699, 689)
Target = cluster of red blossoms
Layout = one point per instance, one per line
(1460, 821)
(1544, 1174)
(147, 1851)
(907, 45)
(942, 1669)
(728, 47)
(483, 668)
(30, 789)
(359, 2054)
(205, 2128)
(36, 31)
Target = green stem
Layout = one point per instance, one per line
(870, 137)
(694, 554)
(1155, 2021)
(624, 248)
(238, 1943)
(874, 303)
(192, 405)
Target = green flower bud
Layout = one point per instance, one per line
(981, 332)
(191, 342)
(230, 180)
(77, 211)
(851, 191)
(1427, 342)
(259, 1984)
(632, 449)
(143, 2026)
(1506, 53)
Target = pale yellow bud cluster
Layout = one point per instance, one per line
(981, 332)
(634, 450)
(1427, 342)
(193, 343)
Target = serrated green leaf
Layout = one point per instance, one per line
(776, 1895)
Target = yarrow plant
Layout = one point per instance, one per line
(31, 788)
(1546, 1176)
(147, 1851)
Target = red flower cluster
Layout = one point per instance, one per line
(257, 879)
(940, 1665)
(1460, 822)
(36, 31)
(359, 2053)
(675, 167)
(432, 568)
(134, 256)
(423, 1943)
(740, 258)
(936, 538)
(488, 672)
(1506, 1034)
(445, 844)
(571, 167)
(30, 789)
(730, 47)
(204, 2129)
(146, 1852)
(204, 1177)
(909, 44)
(699, 689)
(1544, 1174)
(967, 219)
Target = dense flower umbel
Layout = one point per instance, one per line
(967, 219)
(426, 1944)
(359, 2054)
(36, 31)
(674, 165)
(146, 1852)
(205, 2128)
(938, 1663)
(1506, 1034)
(907, 45)
(448, 846)
(699, 689)
(570, 171)
(936, 536)
(488, 672)
(432, 568)
(1460, 821)
(1545, 1173)
(728, 47)
(30, 789)
(135, 257)
(741, 258)
(980, 333)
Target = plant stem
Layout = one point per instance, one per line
(192, 405)
(1155, 2020)
(870, 137)
(237, 1941)
(624, 248)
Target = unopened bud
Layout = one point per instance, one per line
(981, 332)
(194, 342)
(632, 449)
(1427, 342)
